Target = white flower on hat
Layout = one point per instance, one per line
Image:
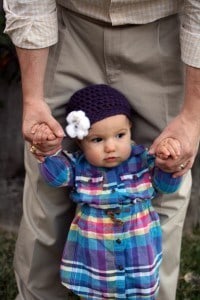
(78, 124)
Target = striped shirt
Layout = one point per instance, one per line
(32, 24)
(105, 188)
(113, 249)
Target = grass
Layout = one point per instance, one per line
(189, 280)
(8, 288)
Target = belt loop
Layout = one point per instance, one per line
(111, 213)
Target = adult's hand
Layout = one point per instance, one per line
(187, 133)
(35, 110)
(185, 127)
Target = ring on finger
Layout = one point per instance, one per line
(182, 166)
(33, 149)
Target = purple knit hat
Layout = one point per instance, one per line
(97, 102)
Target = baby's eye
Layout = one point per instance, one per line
(120, 135)
(96, 140)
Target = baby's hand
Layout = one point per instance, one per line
(42, 133)
(44, 143)
(168, 148)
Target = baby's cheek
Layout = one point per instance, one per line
(93, 158)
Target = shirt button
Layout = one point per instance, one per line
(120, 267)
(118, 241)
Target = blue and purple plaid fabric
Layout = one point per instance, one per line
(113, 249)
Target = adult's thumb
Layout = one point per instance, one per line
(56, 127)
(152, 148)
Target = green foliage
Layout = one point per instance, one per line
(8, 288)
(4, 39)
(189, 280)
(9, 67)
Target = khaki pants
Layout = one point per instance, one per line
(142, 61)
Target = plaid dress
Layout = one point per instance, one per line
(113, 249)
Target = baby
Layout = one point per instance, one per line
(114, 246)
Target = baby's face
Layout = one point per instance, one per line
(109, 142)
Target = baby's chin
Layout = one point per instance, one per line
(112, 162)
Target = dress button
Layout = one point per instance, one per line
(120, 267)
(118, 241)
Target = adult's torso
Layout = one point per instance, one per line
(119, 12)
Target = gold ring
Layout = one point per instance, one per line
(33, 149)
(181, 167)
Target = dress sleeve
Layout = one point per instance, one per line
(31, 24)
(162, 181)
(57, 170)
(190, 33)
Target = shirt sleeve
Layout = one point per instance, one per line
(162, 181)
(31, 24)
(190, 33)
(57, 170)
